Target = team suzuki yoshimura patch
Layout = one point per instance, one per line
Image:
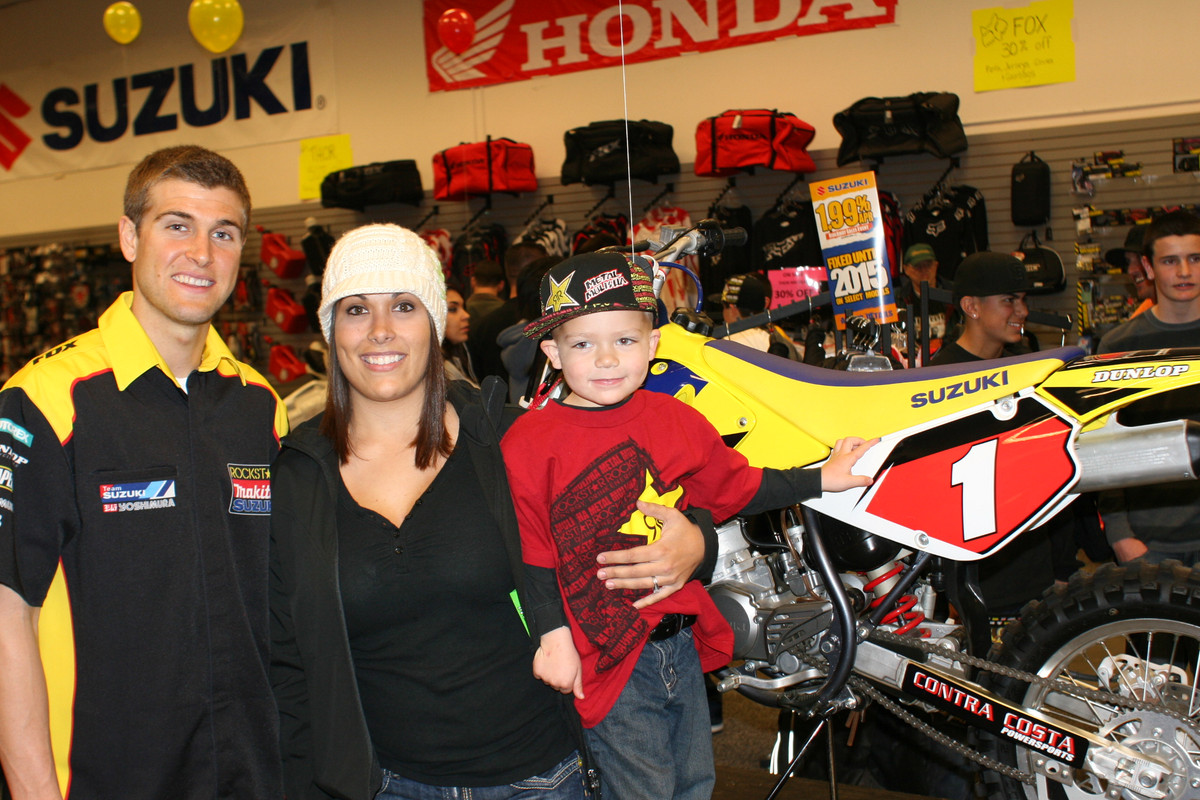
(137, 496)
(251, 485)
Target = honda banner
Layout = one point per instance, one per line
(484, 42)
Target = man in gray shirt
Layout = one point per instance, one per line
(1162, 521)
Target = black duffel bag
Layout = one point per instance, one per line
(923, 122)
(373, 185)
(596, 153)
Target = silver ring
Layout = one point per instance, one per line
(655, 579)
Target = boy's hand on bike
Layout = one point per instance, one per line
(835, 473)
(556, 663)
(661, 568)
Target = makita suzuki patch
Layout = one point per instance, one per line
(251, 489)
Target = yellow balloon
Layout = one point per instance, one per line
(216, 24)
(122, 22)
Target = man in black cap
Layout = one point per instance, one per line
(989, 289)
(744, 296)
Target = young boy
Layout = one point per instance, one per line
(577, 470)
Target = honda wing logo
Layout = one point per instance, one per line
(13, 140)
(489, 30)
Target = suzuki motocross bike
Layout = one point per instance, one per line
(1093, 690)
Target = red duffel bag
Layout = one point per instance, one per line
(755, 137)
(480, 168)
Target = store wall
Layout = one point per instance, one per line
(1127, 56)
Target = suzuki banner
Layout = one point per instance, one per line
(484, 42)
(96, 111)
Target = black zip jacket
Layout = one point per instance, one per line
(327, 750)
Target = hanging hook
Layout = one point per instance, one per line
(730, 184)
(788, 190)
(670, 187)
(608, 196)
(487, 206)
(436, 210)
(547, 201)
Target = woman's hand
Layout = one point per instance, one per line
(662, 567)
(556, 662)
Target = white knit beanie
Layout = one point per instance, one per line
(383, 259)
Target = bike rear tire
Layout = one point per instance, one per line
(1132, 609)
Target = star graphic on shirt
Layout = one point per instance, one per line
(559, 298)
(638, 523)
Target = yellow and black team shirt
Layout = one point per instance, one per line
(137, 516)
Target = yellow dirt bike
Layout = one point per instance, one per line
(1093, 691)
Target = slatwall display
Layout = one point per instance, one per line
(986, 165)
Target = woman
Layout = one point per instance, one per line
(989, 290)
(399, 656)
(454, 345)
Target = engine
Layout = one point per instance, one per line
(774, 604)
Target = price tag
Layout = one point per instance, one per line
(851, 235)
(793, 284)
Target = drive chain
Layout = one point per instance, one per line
(1106, 698)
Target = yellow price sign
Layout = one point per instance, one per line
(849, 212)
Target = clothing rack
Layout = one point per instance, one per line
(670, 187)
(548, 201)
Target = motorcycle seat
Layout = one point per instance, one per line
(831, 404)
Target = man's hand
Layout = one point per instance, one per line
(1129, 549)
(663, 567)
(835, 473)
(25, 752)
(556, 663)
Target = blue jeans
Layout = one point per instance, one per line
(561, 782)
(1189, 558)
(656, 742)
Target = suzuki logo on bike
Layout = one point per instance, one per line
(1134, 373)
(953, 391)
(13, 140)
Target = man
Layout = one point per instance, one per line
(744, 296)
(920, 265)
(1128, 259)
(1157, 522)
(487, 286)
(482, 338)
(134, 514)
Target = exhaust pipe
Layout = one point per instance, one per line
(1117, 456)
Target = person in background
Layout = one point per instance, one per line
(485, 351)
(989, 291)
(518, 353)
(488, 289)
(454, 345)
(744, 296)
(1128, 259)
(400, 654)
(920, 265)
(134, 524)
(1160, 521)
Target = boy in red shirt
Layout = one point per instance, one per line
(578, 470)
